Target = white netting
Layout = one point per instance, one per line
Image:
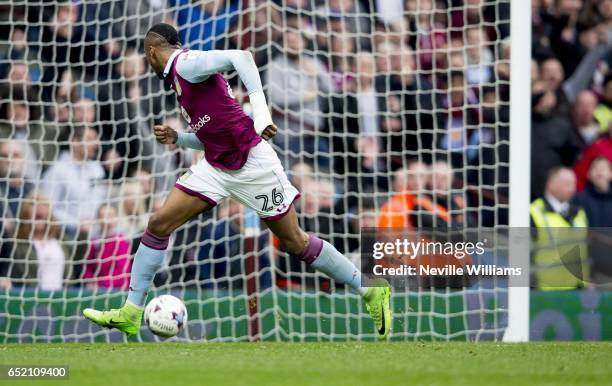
(368, 95)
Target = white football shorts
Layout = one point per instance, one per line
(261, 184)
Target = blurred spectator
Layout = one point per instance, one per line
(302, 176)
(143, 14)
(367, 104)
(435, 216)
(131, 104)
(558, 224)
(431, 33)
(221, 250)
(552, 75)
(104, 25)
(108, 260)
(553, 142)
(15, 50)
(19, 81)
(132, 217)
(415, 178)
(74, 182)
(58, 115)
(540, 29)
(603, 112)
(385, 34)
(363, 216)
(84, 111)
(502, 69)
(167, 161)
(443, 208)
(41, 255)
(407, 183)
(600, 148)
(346, 16)
(489, 156)
(66, 41)
(596, 199)
(296, 83)
(119, 102)
(112, 162)
(260, 37)
(202, 25)
(318, 211)
(13, 185)
(589, 70)
(19, 126)
(597, 202)
(583, 119)
(478, 56)
(146, 181)
(409, 115)
(494, 15)
(461, 120)
(354, 127)
(341, 61)
(390, 11)
(564, 39)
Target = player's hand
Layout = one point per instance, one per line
(165, 134)
(269, 132)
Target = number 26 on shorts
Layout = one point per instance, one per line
(277, 199)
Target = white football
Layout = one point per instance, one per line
(165, 315)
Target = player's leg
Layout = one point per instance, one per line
(178, 208)
(314, 251)
(263, 186)
(199, 189)
(324, 257)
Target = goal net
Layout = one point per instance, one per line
(375, 100)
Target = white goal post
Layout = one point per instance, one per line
(520, 157)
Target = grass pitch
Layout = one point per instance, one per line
(329, 364)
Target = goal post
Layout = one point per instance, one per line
(364, 92)
(520, 158)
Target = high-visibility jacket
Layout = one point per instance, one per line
(559, 250)
(398, 214)
(603, 115)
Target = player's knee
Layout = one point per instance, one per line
(295, 244)
(160, 226)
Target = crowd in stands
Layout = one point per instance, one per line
(391, 113)
(571, 136)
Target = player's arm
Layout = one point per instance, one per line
(167, 135)
(197, 66)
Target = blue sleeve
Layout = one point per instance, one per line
(189, 140)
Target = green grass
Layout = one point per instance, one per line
(329, 364)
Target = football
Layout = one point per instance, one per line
(165, 316)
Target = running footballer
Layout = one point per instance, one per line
(238, 163)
